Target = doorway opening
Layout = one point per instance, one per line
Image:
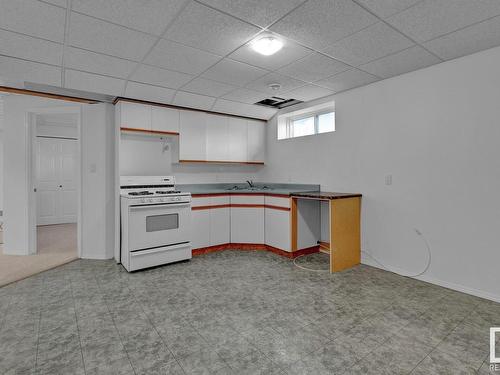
(56, 176)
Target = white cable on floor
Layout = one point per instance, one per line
(429, 258)
(305, 268)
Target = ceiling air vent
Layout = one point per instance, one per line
(277, 102)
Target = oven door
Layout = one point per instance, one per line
(156, 225)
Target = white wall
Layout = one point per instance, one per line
(437, 132)
(1, 154)
(145, 155)
(98, 178)
(97, 142)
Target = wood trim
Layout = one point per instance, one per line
(272, 207)
(42, 94)
(130, 100)
(293, 223)
(159, 132)
(324, 247)
(229, 193)
(239, 205)
(345, 233)
(197, 208)
(221, 162)
(254, 247)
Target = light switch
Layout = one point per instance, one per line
(388, 179)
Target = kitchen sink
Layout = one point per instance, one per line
(253, 188)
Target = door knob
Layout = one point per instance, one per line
(60, 186)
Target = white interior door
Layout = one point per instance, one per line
(56, 181)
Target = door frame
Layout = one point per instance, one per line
(31, 171)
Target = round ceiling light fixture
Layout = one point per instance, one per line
(274, 86)
(267, 45)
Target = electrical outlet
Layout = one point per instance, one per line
(388, 179)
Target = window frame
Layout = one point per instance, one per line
(315, 115)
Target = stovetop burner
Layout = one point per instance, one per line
(140, 193)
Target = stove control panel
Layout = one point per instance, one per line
(159, 200)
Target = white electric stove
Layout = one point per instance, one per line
(155, 222)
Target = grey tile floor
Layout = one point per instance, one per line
(237, 312)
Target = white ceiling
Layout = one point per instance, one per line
(195, 52)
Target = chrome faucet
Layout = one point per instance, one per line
(250, 183)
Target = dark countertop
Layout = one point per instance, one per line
(243, 188)
(325, 195)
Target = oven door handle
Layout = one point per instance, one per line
(159, 250)
(138, 207)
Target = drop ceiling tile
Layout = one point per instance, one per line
(475, 38)
(187, 99)
(242, 109)
(386, 8)
(19, 71)
(207, 87)
(92, 62)
(258, 12)
(207, 29)
(287, 84)
(26, 47)
(319, 23)
(290, 52)
(405, 61)
(59, 3)
(308, 92)
(313, 68)
(93, 83)
(233, 72)
(150, 16)
(160, 77)
(150, 93)
(347, 80)
(245, 96)
(170, 55)
(103, 37)
(430, 18)
(33, 18)
(369, 44)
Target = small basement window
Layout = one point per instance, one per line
(293, 125)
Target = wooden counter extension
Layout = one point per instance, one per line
(345, 235)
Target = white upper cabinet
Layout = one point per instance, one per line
(217, 144)
(135, 116)
(237, 136)
(164, 119)
(193, 136)
(256, 144)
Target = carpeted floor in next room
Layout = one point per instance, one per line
(56, 245)
(239, 312)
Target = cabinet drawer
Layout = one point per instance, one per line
(201, 201)
(247, 199)
(217, 200)
(277, 201)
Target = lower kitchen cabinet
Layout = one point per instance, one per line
(220, 226)
(200, 228)
(277, 228)
(247, 219)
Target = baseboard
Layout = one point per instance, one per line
(255, 247)
(439, 282)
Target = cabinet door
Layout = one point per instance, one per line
(193, 136)
(220, 226)
(217, 144)
(277, 228)
(237, 139)
(247, 225)
(135, 116)
(256, 140)
(165, 119)
(200, 228)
